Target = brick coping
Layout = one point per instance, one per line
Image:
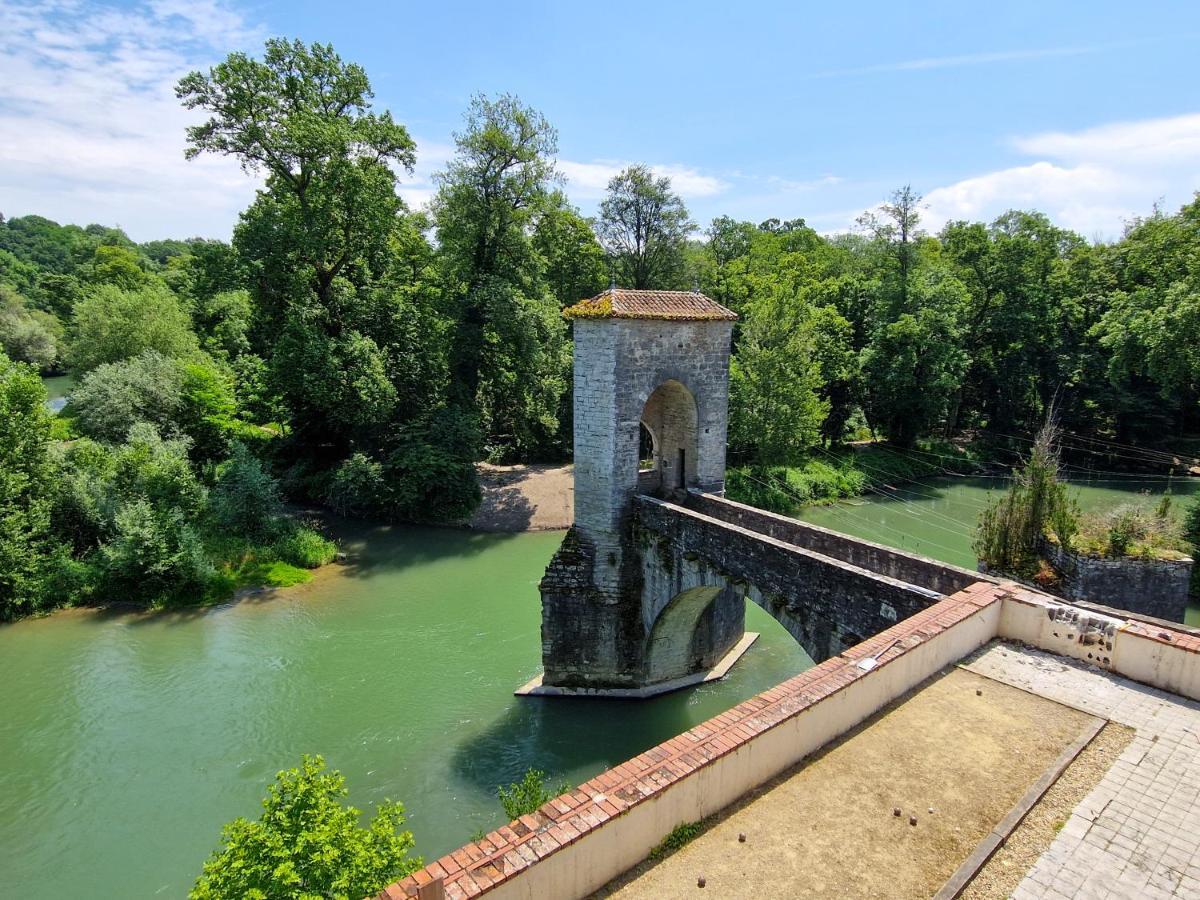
(481, 866)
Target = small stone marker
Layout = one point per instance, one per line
(978, 692)
(931, 810)
(912, 820)
(700, 881)
(741, 837)
(896, 811)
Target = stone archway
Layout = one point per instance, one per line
(670, 418)
(691, 634)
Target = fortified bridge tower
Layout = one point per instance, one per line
(648, 591)
(651, 416)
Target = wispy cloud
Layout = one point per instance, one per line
(1093, 180)
(90, 129)
(964, 59)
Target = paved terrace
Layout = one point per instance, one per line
(1136, 834)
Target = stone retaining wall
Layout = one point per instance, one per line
(1156, 588)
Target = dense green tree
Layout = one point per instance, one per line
(26, 485)
(113, 397)
(914, 365)
(644, 226)
(246, 500)
(111, 324)
(117, 266)
(509, 355)
(28, 335)
(776, 411)
(575, 266)
(302, 116)
(895, 227)
(308, 845)
(181, 398)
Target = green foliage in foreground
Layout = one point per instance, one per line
(529, 794)
(308, 845)
(679, 836)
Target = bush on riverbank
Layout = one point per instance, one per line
(133, 521)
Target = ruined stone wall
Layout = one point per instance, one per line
(1156, 588)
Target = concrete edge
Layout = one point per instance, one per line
(992, 842)
(535, 688)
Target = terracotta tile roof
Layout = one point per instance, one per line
(618, 303)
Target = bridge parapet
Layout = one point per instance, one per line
(827, 604)
(908, 567)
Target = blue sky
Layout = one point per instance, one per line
(1088, 112)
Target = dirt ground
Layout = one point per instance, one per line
(827, 828)
(525, 498)
(1004, 871)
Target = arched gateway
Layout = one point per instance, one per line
(651, 407)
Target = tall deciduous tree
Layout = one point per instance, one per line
(895, 225)
(26, 483)
(509, 355)
(644, 226)
(303, 117)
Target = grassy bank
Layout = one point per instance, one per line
(826, 476)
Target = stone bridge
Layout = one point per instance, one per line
(648, 591)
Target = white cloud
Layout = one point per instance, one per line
(90, 130)
(589, 180)
(1092, 181)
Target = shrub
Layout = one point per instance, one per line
(357, 486)
(246, 499)
(114, 397)
(1191, 533)
(111, 323)
(155, 555)
(527, 795)
(305, 548)
(307, 844)
(1010, 531)
(1133, 530)
(428, 483)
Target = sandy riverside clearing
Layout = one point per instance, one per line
(525, 498)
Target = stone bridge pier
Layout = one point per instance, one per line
(648, 591)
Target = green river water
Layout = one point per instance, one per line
(127, 739)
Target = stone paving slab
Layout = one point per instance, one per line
(1137, 834)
